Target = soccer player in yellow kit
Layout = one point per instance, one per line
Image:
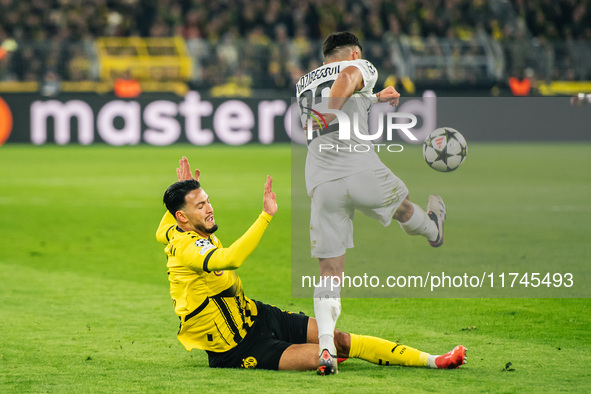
(235, 331)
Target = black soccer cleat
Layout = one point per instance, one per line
(327, 364)
(436, 211)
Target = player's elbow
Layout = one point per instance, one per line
(161, 236)
(224, 259)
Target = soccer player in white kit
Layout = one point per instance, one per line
(340, 179)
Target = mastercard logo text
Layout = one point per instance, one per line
(5, 121)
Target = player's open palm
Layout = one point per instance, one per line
(269, 199)
(183, 173)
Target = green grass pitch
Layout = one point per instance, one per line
(84, 303)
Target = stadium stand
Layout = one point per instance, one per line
(238, 45)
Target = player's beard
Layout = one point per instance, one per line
(210, 230)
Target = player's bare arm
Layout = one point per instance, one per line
(349, 81)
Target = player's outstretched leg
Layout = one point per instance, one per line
(383, 352)
(437, 213)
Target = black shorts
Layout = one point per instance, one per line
(273, 331)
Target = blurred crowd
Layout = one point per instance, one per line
(270, 43)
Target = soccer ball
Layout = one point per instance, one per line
(445, 149)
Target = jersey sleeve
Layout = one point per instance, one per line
(165, 228)
(200, 255)
(369, 73)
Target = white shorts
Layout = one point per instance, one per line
(377, 193)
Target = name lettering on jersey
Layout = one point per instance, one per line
(322, 72)
(205, 245)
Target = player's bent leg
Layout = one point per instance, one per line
(302, 357)
(414, 221)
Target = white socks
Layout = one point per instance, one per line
(327, 308)
(420, 224)
(431, 361)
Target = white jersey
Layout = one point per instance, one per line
(346, 157)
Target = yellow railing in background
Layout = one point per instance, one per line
(18, 87)
(564, 88)
(179, 88)
(155, 59)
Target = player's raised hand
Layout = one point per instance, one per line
(389, 94)
(269, 199)
(183, 173)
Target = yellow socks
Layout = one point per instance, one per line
(383, 352)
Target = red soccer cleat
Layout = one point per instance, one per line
(453, 359)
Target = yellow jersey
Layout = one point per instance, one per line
(206, 291)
